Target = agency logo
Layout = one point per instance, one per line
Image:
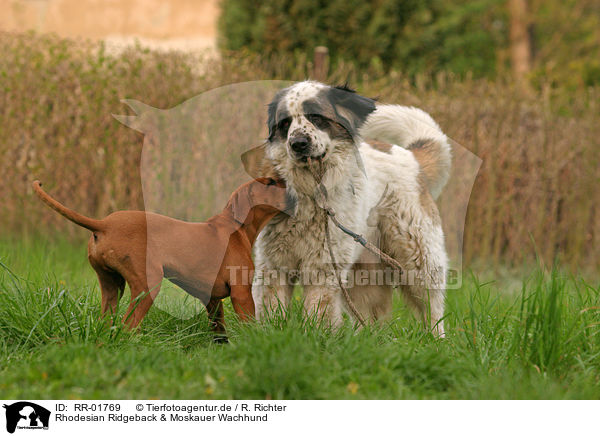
(26, 415)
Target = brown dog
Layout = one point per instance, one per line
(141, 248)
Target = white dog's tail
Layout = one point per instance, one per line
(415, 130)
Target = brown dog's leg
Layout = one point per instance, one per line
(112, 285)
(143, 292)
(216, 316)
(243, 303)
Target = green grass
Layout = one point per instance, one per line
(542, 342)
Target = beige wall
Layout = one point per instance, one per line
(187, 24)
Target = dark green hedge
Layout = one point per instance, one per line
(408, 35)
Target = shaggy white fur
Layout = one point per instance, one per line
(406, 219)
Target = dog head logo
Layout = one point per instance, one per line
(190, 160)
(26, 415)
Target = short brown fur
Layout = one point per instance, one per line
(380, 145)
(427, 153)
(141, 248)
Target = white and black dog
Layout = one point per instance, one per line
(325, 123)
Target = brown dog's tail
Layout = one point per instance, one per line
(77, 218)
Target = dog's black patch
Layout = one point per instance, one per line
(344, 87)
(351, 109)
(347, 88)
(313, 106)
(274, 114)
(324, 117)
(419, 143)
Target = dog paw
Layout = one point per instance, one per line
(219, 339)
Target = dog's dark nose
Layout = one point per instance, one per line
(299, 144)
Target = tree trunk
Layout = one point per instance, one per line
(520, 42)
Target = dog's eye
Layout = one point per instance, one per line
(284, 125)
(317, 120)
(271, 182)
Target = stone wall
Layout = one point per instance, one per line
(180, 24)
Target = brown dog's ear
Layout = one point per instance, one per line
(240, 205)
(256, 164)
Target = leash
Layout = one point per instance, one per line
(322, 203)
(363, 241)
(322, 193)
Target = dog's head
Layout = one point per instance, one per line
(310, 119)
(266, 195)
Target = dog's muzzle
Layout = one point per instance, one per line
(302, 148)
(300, 145)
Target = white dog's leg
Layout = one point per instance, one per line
(269, 298)
(424, 292)
(428, 305)
(372, 291)
(325, 303)
(418, 245)
(271, 288)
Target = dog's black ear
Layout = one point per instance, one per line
(272, 112)
(272, 117)
(351, 108)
